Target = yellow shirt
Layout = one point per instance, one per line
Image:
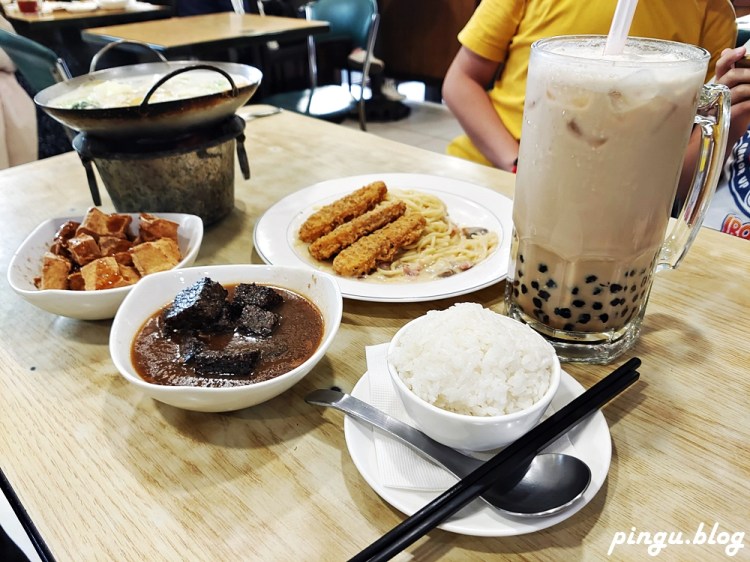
(503, 31)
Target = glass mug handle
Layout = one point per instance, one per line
(714, 98)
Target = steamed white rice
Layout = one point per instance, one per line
(470, 360)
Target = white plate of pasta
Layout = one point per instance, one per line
(462, 245)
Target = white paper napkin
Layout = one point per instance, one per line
(400, 466)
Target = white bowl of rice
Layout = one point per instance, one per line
(471, 378)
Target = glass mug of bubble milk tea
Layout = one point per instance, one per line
(602, 147)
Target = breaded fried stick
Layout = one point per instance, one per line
(381, 246)
(329, 217)
(346, 234)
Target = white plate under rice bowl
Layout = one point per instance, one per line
(472, 378)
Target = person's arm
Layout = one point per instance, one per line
(465, 93)
(738, 81)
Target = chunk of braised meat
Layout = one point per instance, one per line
(197, 306)
(259, 295)
(225, 362)
(256, 321)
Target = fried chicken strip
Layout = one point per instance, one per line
(381, 246)
(346, 234)
(342, 210)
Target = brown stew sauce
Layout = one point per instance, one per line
(157, 358)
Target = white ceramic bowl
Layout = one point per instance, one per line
(463, 431)
(156, 291)
(114, 4)
(81, 6)
(26, 264)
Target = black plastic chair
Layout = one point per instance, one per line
(352, 21)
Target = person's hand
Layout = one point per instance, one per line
(731, 72)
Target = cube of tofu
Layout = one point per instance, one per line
(158, 255)
(153, 227)
(129, 274)
(124, 258)
(111, 245)
(103, 273)
(66, 231)
(55, 270)
(83, 249)
(96, 223)
(75, 282)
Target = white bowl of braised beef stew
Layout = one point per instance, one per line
(224, 337)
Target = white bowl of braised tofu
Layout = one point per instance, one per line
(224, 337)
(83, 267)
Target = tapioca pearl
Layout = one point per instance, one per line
(544, 295)
(524, 288)
(615, 288)
(597, 305)
(616, 302)
(604, 317)
(574, 291)
(537, 302)
(644, 280)
(568, 327)
(563, 312)
(543, 268)
(584, 318)
(634, 299)
(624, 311)
(535, 285)
(578, 303)
(516, 282)
(520, 258)
(516, 292)
(633, 288)
(541, 316)
(551, 284)
(596, 291)
(520, 273)
(591, 279)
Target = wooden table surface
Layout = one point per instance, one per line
(178, 36)
(138, 12)
(108, 474)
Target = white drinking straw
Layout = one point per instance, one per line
(621, 21)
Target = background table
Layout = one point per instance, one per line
(34, 24)
(61, 30)
(108, 474)
(198, 35)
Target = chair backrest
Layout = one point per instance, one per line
(39, 66)
(348, 19)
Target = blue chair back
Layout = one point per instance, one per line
(348, 19)
(39, 66)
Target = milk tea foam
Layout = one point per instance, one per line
(602, 148)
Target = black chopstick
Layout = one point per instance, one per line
(504, 465)
(28, 526)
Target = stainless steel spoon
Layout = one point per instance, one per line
(552, 483)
